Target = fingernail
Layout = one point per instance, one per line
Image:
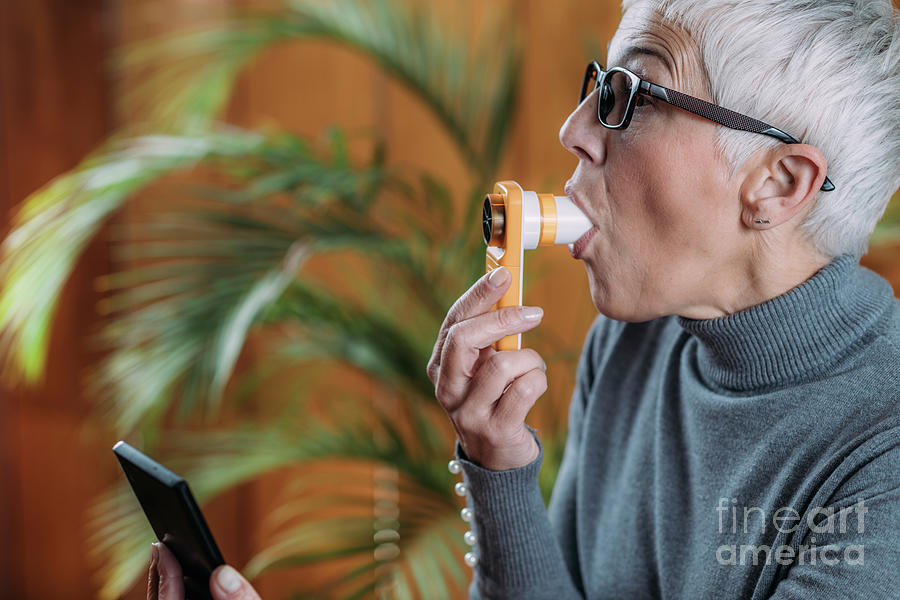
(498, 276)
(228, 579)
(154, 553)
(531, 313)
(545, 364)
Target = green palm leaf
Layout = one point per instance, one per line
(55, 224)
(470, 91)
(469, 87)
(365, 339)
(194, 283)
(183, 81)
(419, 555)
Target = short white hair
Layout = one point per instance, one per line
(825, 71)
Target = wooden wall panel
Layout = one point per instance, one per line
(54, 108)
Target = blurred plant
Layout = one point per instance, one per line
(256, 210)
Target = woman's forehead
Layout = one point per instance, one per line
(664, 49)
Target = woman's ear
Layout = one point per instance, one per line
(779, 183)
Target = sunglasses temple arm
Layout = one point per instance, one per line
(657, 91)
(774, 132)
(653, 90)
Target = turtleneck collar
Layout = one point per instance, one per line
(795, 336)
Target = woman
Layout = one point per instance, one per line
(735, 427)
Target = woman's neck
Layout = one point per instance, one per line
(754, 280)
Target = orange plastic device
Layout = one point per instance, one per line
(515, 220)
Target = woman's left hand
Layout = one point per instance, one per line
(165, 581)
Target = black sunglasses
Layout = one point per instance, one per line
(618, 84)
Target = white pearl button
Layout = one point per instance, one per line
(454, 467)
(466, 514)
(469, 538)
(471, 559)
(460, 489)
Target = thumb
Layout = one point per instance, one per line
(227, 584)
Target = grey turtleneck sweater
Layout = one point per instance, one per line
(755, 455)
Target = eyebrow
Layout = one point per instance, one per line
(633, 51)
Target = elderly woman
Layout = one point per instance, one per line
(735, 426)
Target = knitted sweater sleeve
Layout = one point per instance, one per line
(521, 552)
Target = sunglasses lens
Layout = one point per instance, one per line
(614, 98)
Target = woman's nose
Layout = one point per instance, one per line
(582, 134)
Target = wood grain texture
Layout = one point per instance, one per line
(54, 109)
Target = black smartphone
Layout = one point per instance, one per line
(175, 517)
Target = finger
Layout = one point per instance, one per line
(483, 356)
(227, 584)
(496, 374)
(171, 580)
(514, 404)
(465, 340)
(478, 299)
(153, 575)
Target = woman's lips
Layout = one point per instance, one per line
(581, 243)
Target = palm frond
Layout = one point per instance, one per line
(56, 223)
(361, 338)
(190, 311)
(194, 283)
(333, 512)
(419, 554)
(470, 88)
(182, 81)
(471, 92)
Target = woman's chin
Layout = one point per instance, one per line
(613, 299)
(599, 290)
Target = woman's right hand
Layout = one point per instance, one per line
(487, 393)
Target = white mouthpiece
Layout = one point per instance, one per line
(571, 223)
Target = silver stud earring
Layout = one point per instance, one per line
(761, 221)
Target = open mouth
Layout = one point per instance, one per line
(577, 249)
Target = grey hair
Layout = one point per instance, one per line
(825, 71)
